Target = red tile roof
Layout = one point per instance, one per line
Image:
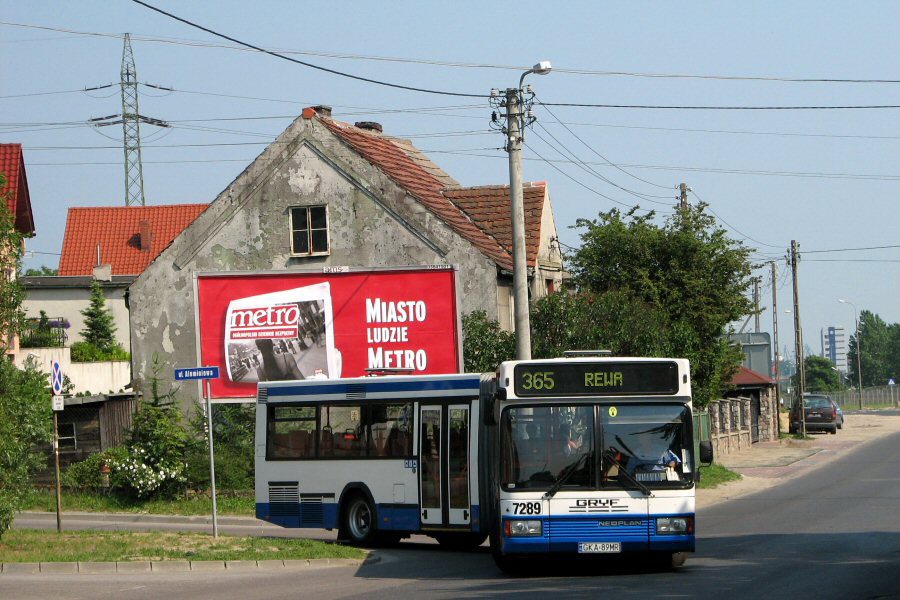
(18, 200)
(118, 232)
(397, 164)
(745, 376)
(488, 206)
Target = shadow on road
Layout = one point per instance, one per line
(840, 565)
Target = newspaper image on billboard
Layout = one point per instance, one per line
(282, 335)
(287, 325)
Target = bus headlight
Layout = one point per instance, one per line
(674, 525)
(520, 528)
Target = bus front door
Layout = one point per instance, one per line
(444, 456)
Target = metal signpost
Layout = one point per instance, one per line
(206, 373)
(891, 385)
(56, 385)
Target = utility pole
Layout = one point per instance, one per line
(798, 338)
(518, 116)
(775, 345)
(684, 189)
(131, 129)
(756, 304)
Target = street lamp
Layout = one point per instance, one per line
(858, 351)
(518, 107)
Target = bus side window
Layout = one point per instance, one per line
(290, 431)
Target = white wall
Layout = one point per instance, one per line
(69, 302)
(94, 377)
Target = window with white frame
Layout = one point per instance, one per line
(309, 230)
(66, 437)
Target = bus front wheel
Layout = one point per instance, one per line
(359, 521)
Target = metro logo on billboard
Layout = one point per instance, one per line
(267, 322)
(317, 325)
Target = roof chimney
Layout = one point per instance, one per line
(323, 110)
(369, 126)
(145, 236)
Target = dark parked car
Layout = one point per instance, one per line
(821, 412)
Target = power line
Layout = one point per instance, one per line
(691, 107)
(851, 249)
(585, 186)
(460, 64)
(306, 64)
(592, 149)
(584, 167)
(853, 260)
(732, 226)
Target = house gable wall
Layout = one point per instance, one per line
(372, 222)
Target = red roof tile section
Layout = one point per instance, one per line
(118, 230)
(18, 200)
(488, 206)
(397, 164)
(745, 376)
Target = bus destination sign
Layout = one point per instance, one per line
(595, 379)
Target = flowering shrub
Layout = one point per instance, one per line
(141, 475)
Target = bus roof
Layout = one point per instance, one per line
(361, 388)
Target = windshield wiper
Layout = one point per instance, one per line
(566, 473)
(624, 472)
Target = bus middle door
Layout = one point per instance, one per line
(444, 469)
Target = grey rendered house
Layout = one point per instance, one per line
(327, 193)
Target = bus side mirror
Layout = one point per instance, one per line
(706, 453)
(490, 406)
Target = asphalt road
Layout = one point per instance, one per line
(831, 533)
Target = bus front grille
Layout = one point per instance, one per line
(587, 528)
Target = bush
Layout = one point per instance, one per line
(25, 422)
(233, 431)
(86, 474)
(88, 352)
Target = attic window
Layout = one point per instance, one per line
(309, 230)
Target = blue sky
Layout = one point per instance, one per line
(848, 197)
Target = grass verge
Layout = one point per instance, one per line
(30, 545)
(45, 500)
(715, 475)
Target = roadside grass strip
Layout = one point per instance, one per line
(45, 500)
(715, 475)
(39, 546)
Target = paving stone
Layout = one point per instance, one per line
(270, 564)
(59, 567)
(169, 566)
(21, 568)
(133, 566)
(207, 565)
(240, 565)
(96, 567)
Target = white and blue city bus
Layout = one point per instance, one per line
(579, 455)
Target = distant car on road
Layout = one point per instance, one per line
(821, 414)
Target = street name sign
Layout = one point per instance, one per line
(197, 373)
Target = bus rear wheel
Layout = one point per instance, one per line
(359, 521)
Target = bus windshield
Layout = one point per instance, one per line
(650, 441)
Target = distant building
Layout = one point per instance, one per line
(835, 347)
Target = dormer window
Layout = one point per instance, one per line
(309, 230)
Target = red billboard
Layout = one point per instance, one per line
(327, 324)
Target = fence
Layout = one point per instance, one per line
(880, 396)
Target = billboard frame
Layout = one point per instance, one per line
(326, 270)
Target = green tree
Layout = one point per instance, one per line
(12, 317)
(878, 360)
(688, 269)
(485, 345)
(99, 329)
(43, 270)
(821, 376)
